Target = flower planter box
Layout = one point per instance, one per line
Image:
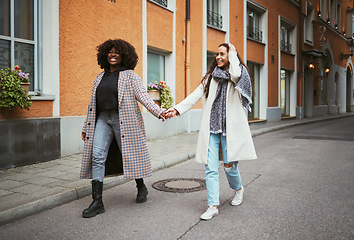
(25, 86)
(154, 94)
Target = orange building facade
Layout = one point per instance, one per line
(176, 40)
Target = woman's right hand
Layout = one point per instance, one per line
(83, 136)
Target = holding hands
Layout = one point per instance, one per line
(169, 113)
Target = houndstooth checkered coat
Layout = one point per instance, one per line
(135, 156)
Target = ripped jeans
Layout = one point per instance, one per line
(212, 169)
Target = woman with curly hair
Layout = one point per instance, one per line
(114, 133)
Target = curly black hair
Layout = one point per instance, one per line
(125, 49)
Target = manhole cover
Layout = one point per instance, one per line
(180, 185)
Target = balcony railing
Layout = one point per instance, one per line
(214, 19)
(161, 2)
(254, 33)
(285, 46)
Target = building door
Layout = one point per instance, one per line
(255, 79)
(285, 92)
(350, 89)
(308, 92)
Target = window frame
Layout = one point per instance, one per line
(308, 24)
(218, 23)
(164, 65)
(290, 29)
(35, 42)
(257, 35)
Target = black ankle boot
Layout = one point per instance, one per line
(96, 206)
(142, 194)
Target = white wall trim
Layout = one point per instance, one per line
(205, 40)
(144, 35)
(50, 33)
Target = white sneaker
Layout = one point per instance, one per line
(210, 213)
(238, 198)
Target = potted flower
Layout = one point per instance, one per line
(23, 78)
(12, 94)
(154, 90)
(161, 94)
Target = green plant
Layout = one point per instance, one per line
(12, 95)
(166, 97)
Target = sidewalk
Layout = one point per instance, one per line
(30, 189)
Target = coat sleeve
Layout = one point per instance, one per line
(143, 97)
(235, 69)
(190, 101)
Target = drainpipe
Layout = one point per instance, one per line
(187, 66)
(301, 73)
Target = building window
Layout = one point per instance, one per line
(285, 92)
(253, 25)
(332, 12)
(323, 9)
(214, 17)
(308, 24)
(285, 44)
(18, 37)
(160, 2)
(338, 17)
(155, 67)
(286, 35)
(210, 58)
(255, 78)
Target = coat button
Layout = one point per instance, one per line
(89, 124)
(88, 137)
(121, 122)
(90, 109)
(122, 136)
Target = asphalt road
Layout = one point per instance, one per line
(301, 187)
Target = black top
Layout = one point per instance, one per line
(107, 91)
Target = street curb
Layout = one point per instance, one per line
(83, 189)
(258, 132)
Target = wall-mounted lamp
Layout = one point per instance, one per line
(311, 64)
(344, 33)
(327, 69)
(319, 14)
(351, 49)
(328, 21)
(336, 26)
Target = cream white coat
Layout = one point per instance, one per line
(238, 135)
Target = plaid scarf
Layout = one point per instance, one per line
(218, 109)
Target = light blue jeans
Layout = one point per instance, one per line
(212, 169)
(107, 126)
